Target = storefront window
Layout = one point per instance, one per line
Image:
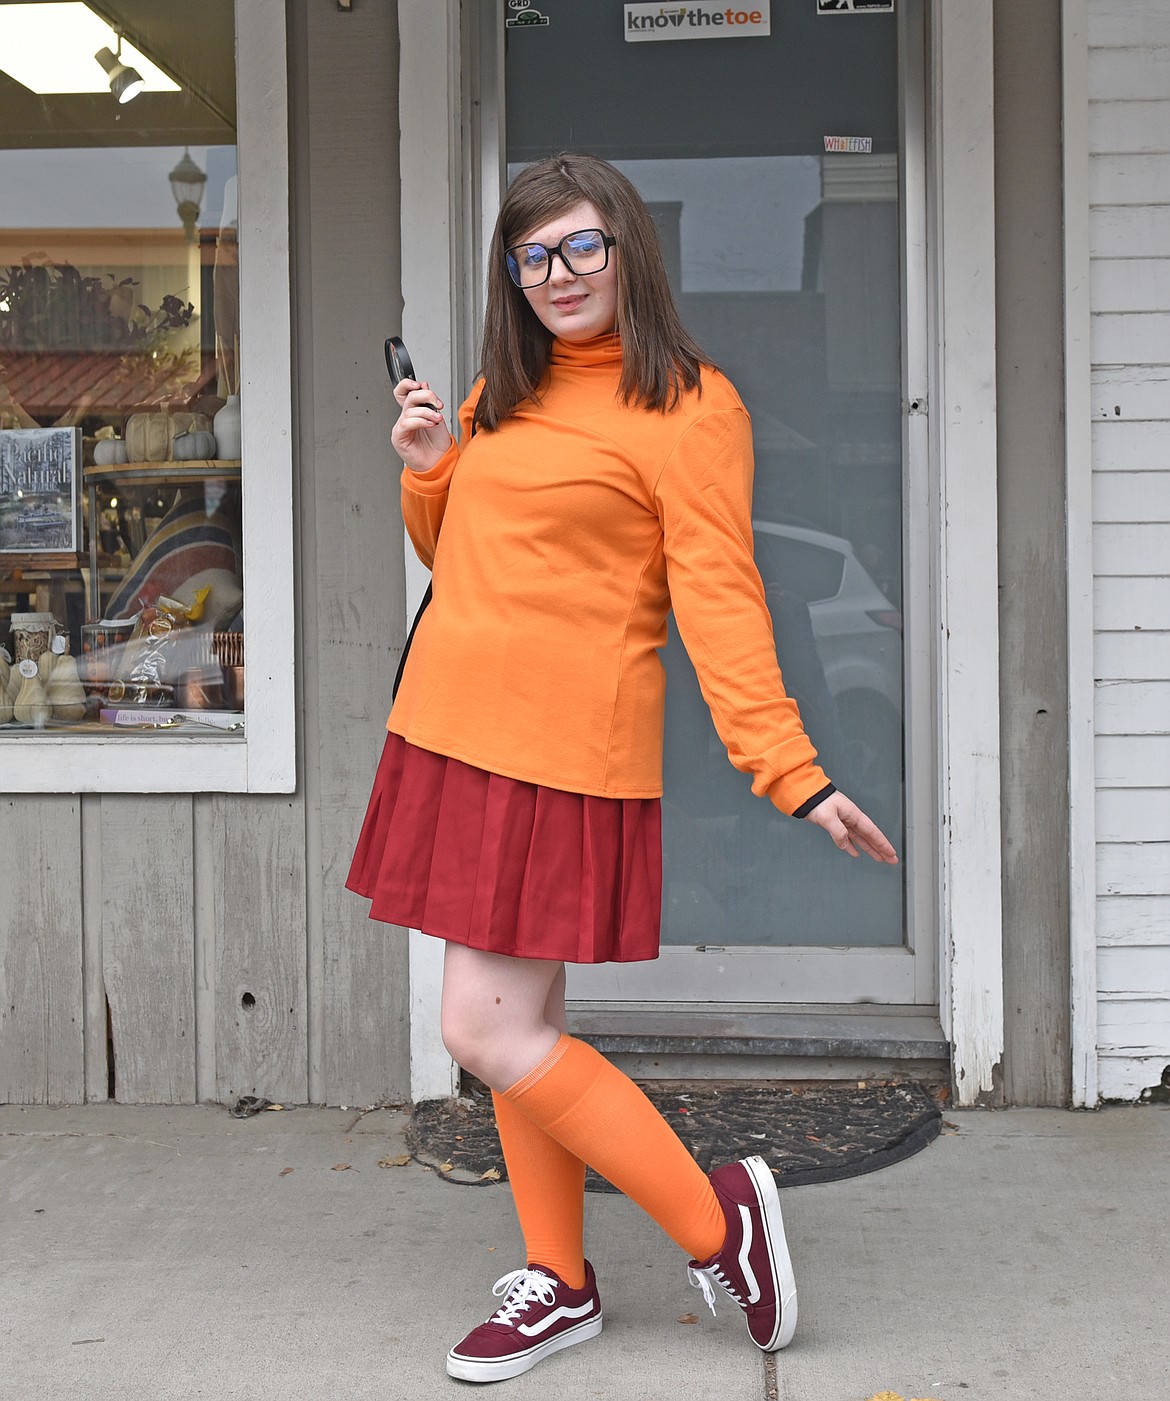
(121, 560)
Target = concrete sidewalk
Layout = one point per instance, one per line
(150, 1254)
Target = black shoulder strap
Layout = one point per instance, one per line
(422, 608)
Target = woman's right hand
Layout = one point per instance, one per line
(420, 436)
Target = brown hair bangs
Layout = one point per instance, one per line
(660, 359)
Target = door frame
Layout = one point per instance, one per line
(446, 63)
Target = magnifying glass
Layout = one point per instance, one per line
(399, 365)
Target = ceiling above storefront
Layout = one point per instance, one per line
(193, 44)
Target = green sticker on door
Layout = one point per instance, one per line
(525, 17)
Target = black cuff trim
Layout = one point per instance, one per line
(807, 806)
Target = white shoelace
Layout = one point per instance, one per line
(522, 1288)
(701, 1279)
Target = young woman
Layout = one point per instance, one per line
(603, 475)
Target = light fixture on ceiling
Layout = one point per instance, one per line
(187, 182)
(125, 82)
(49, 48)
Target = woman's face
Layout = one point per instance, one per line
(573, 307)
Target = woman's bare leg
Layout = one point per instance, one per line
(554, 1007)
(501, 1017)
(496, 1012)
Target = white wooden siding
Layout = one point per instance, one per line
(1121, 24)
(1129, 239)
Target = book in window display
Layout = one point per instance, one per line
(39, 497)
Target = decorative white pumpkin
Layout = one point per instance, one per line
(194, 446)
(110, 452)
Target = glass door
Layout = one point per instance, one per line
(775, 165)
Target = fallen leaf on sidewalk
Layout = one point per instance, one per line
(399, 1160)
(893, 1396)
(688, 1318)
(275, 1106)
(340, 1167)
(284, 1172)
(492, 1175)
(446, 1167)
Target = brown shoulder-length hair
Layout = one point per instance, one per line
(660, 360)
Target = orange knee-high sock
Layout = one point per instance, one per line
(548, 1187)
(577, 1097)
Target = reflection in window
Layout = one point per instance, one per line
(786, 268)
(121, 577)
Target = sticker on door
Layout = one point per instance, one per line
(526, 17)
(855, 7)
(699, 19)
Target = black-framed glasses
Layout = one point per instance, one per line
(583, 253)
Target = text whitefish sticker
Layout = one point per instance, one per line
(855, 7)
(853, 145)
(700, 19)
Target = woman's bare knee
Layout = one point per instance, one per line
(463, 1043)
(494, 1013)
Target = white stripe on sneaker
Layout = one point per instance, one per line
(745, 1247)
(534, 1330)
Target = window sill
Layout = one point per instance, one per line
(51, 762)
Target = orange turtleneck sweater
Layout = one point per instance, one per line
(558, 542)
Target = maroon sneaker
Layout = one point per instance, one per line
(539, 1316)
(754, 1266)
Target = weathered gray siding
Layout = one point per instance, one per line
(1129, 138)
(41, 996)
(353, 581)
(1032, 560)
(212, 932)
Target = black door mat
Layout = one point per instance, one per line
(811, 1132)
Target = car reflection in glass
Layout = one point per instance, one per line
(840, 648)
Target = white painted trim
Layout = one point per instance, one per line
(811, 973)
(265, 760)
(57, 763)
(433, 1074)
(964, 424)
(919, 662)
(266, 395)
(1079, 547)
(429, 88)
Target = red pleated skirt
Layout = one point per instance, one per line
(510, 867)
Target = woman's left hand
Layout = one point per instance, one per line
(850, 828)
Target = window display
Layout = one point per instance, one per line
(121, 570)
